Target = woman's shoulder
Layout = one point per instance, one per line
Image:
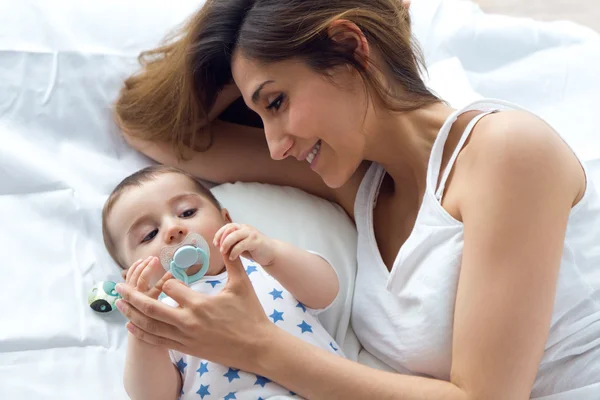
(514, 145)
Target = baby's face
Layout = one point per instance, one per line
(161, 213)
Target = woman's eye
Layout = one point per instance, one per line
(188, 213)
(276, 104)
(150, 236)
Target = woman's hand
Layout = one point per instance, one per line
(244, 240)
(229, 328)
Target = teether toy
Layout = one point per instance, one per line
(193, 250)
(103, 296)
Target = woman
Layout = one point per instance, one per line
(478, 233)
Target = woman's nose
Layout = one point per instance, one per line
(279, 146)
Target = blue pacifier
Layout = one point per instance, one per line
(193, 250)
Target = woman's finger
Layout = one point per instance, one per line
(237, 278)
(147, 324)
(183, 295)
(153, 339)
(147, 307)
(158, 288)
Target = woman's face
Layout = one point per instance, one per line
(307, 115)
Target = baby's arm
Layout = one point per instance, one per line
(307, 276)
(149, 372)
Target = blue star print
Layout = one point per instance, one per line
(332, 346)
(261, 380)
(230, 396)
(203, 391)
(277, 316)
(232, 374)
(203, 368)
(181, 365)
(277, 294)
(250, 269)
(301, 306)
(305, 327)
(213, 283)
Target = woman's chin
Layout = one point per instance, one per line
(335, 180)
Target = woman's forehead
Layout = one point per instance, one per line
(249, 74)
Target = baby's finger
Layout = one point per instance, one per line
(232, 239)
(239, 249)
(136, 272)
(129, 270)
(217, 238)
(149, 275)
(226, 232)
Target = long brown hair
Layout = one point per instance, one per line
(179, 82)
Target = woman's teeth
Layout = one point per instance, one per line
(314, 152)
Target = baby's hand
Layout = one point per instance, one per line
(144, 275)
(243, 240)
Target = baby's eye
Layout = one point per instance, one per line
(188, 213)
(150, 236)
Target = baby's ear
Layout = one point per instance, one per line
(226, 215)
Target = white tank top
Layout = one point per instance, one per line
(404, 318)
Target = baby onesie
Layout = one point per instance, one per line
(205, 380)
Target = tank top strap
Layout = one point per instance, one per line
(439, 193)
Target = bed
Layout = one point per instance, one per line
(61, 65)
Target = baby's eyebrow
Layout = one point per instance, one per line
(146, 218)
(140, 221)
(182, 196)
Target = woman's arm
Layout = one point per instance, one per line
(238, 153)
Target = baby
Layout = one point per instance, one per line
(158, 207)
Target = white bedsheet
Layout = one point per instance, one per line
(61, 64)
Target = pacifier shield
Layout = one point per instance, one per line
(191, 241)
(186, 256)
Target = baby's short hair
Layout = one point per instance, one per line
(137, 179)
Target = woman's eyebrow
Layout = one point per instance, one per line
(260, 87)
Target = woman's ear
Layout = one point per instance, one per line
(350, 37)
